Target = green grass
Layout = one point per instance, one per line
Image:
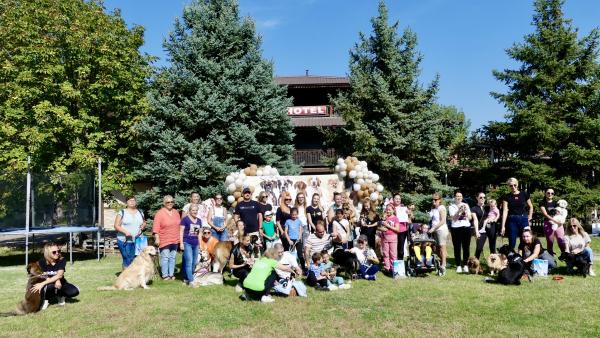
(454, 305)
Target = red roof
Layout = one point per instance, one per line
(313, 81)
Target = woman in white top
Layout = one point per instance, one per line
(194, 199)
(216, 219)
(460, 229)
(129, 224)
(577, 241)
(439, 227)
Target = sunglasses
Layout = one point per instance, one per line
(54, 252)
(288, 199)
(169, 202)
(549, 193)
(512, 185)
(481, 197)
(206, 232)
(219, 198)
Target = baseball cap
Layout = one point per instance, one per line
(268, 213)
(246, 190)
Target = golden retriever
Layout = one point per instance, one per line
(138, 274)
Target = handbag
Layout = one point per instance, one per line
(141, 242)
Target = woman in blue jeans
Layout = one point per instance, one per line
(216, 219)
(517, 212)
(189, 236)
(129, 224)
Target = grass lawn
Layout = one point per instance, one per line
(454, 305)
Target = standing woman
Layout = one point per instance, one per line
(263, 200)
(439, 227)
(369, 221)
(283, 212)
(55, 285)
(514, 212)
(189, 233)
(300, 205)
(129, 224)
(314, 213)
(547, 205)
(194, 199)
(166, 236)
(402, 213)
(461, 231)
(216, 219)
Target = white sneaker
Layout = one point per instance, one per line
(592, 273)
(61, 301)
(465, 269)
(45, 305)
(238, 288)
(459, 269)
(266, 299)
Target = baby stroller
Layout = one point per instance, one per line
(416, 265)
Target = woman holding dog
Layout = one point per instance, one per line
(55, 285)
(439, 227)
(547, 206)
(189, 233)
(129, 224)
(461, 231)
(517, 212)
(577, 241)
(166, 236)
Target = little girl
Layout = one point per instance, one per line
(492, 215)
(389, 237)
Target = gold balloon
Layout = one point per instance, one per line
(234, 204)
(252, 188)
(360, 193)
(253, 167)
(247, 171)
(350, 166)
(237, 194)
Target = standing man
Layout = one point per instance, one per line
(249, 212)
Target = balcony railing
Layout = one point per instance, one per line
(312, 157)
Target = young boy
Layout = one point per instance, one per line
(269, 231)
(422, 235)
(317, 276)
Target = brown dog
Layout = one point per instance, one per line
(138, 274)
(222, 253)
(474, 265)
(33, 300)
(496, 262)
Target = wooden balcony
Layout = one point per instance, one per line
(311, 159)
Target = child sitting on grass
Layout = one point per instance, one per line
(419, 239)
(333, 280)
(317, 276)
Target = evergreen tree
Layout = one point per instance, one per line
(216, 107)
(391, 120)
(552, 130)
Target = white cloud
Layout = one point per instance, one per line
(270, 23)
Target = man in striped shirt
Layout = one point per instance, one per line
(317, 241)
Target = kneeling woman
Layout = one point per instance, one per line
(531, 248)
(262, 277)
(578, 242)
(55, 284)
(240, 260)
(366, 257)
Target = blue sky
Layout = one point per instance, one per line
(461, 40)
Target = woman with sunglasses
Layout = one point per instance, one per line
(283, 212)
(263, 200)
(166, 236)
(517, 212)
(55, 285)
(577, 242)
(216, 219)
(547, 206)
(439, 227)
(189, 234)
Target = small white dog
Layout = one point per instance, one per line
(560, 214)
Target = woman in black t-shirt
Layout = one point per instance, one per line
(368, 221)
(552, 229)
(283, 212)
(314, 212)
(55, 284)
(240, 262)
(531, 248)
(517, 210)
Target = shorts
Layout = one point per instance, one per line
(441, 235)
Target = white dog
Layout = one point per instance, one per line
(560, 216)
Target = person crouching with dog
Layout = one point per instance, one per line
(531, 248)
(240, 261)
(55, 285)
(262, 277)
(369, 264)
(577, 242)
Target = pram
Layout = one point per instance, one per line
(416, 265)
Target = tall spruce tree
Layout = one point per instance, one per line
(391, 119)
(216, 107)
(553, 125)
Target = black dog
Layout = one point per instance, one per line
(576, 261)
(511, 275)
(347, 262)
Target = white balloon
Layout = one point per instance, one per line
(230, 199)
(360, 175)
(337, 168)
(229, 179)
(356, 186)
(343, 173)
(379, 187)
(368, 181)
(275, 172)
(360, 181)
(352, 174)
(246, 184)
(340, 160)
(259, 172)
(343, 166)
(239, 183)
(375, 178)
(231, 188)
(363, 164)
(340, 177)
(374, 196)
(267, 168)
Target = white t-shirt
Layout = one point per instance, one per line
(577, 242)
(463, 221)
(435, 217)
(288, 260)
(362, 255)
(342, 227)
(219, 212)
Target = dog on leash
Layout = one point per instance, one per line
(511, 275)
(496, 262)
(474, 265)
(577, 261)
(207, 278)
(138, 274)
(33, 300)
(223, 252)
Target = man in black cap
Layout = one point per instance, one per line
(249, 211)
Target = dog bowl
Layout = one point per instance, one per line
(559, 279)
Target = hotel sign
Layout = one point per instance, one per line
(308, 111)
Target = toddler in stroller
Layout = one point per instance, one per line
(421, 247)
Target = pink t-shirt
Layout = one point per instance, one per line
(394, 220)
(167, 226)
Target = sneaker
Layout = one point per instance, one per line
(61, 301)
(344, 286)
(243, 297)
(238, 288)
(266, 299)
(465, 269)
(442, 271)
(333, 287)
(592, 273)
(371, 277)
(45, 305)
(459, 269)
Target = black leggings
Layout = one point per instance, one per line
(299, 249)
(269, 283)
(461, 237)
(401, 239)
(490, 233)
(67, 290)
(241, 273)
(370, 232)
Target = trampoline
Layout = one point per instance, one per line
(57, 230)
